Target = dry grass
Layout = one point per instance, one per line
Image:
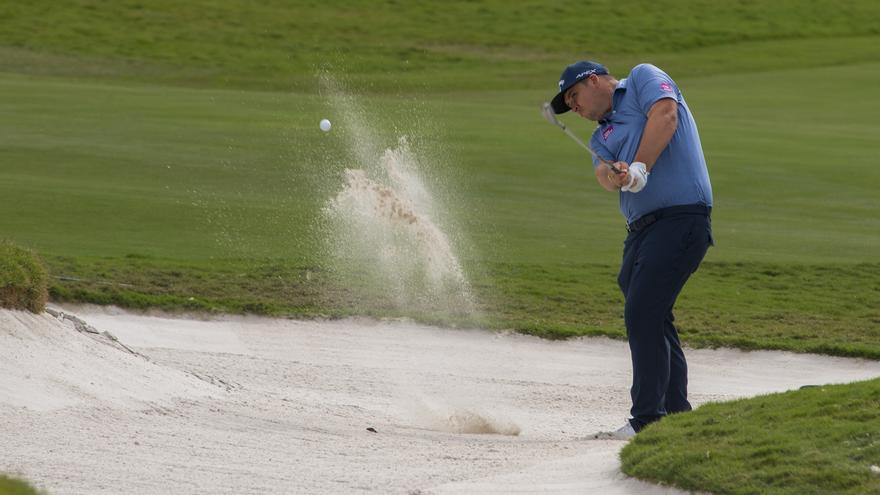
(23, 279)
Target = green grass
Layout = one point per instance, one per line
(820, 441)
(393, 44)
(23, 279)
(10, 486)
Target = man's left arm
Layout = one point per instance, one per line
(661, 125)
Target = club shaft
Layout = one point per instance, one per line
(550, 116)
(584, 146)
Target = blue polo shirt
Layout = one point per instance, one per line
(679, 177)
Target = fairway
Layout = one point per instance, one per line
(211, 199)
(110, 170)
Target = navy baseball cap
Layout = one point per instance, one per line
(572, 74)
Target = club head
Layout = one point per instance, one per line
(550, 115)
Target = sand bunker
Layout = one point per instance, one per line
(251, 405)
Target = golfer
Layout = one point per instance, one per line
(646, 131)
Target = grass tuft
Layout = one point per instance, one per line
(10, 486)
(23, 279)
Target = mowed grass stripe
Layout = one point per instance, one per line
(278, 44)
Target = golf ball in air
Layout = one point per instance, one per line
(325, 125)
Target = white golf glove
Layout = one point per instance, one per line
(638, 178)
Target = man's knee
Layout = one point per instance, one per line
(643, 316)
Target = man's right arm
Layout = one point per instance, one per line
(606, 177)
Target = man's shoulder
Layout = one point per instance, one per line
(645, 69)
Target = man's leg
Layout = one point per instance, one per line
(666, 255)
(676, 393)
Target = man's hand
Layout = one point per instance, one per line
(632, 178)
(613, 179)
(636, 178)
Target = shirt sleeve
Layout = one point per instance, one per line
(600, 149)
(651, 85)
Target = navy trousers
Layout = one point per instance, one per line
(658, 258)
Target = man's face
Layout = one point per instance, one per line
(586, 99)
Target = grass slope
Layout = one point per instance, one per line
(821, 441)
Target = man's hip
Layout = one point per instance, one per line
(649, 219)
(661, 252)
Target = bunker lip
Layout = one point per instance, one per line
(250, 404)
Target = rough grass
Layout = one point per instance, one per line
(23, 279)
(11, 486)
(745, 305)
(820, 441)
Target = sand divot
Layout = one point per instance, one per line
(465, 421)
(455, 416)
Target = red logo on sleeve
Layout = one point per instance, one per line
(666, 87)
(607, 132)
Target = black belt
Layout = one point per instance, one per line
(645, 220)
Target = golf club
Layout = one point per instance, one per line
(550, 115)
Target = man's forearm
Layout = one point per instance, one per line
(659, 129)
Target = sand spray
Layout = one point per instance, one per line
(385, 223)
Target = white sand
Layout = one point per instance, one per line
(249, 405)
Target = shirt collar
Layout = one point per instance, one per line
(618, 92)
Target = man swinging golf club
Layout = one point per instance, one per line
(647, 149)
